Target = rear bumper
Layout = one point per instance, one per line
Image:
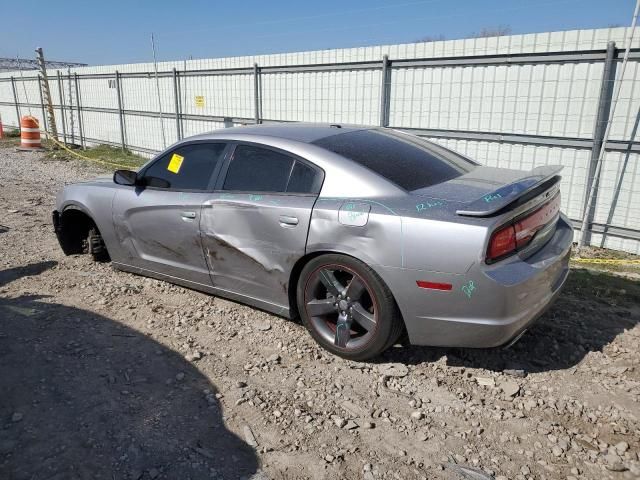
(489, 305)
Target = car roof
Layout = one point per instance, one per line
(297, 139)
(299, 132)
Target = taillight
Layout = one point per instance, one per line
(507, 240)
(502, 243)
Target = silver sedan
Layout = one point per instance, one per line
(366, 234)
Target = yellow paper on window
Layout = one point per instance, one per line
(175, 163)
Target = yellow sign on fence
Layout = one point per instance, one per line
(200, 101)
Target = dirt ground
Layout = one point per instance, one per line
(105, 374)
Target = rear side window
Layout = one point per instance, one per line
(304, 179)
(402, 159)
(256, 169)
(188, 167)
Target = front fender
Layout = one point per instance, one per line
(95, 201)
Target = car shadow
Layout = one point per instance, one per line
(82, 396)
(592, 310)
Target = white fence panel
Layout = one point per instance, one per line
(502, 112)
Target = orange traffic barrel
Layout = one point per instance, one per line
(29, 133)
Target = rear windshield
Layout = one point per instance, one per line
(408, 161)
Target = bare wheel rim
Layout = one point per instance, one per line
(341, 306)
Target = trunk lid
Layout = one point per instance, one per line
(522, 207)
(533, 188)
(487, 190)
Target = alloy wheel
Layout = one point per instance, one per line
(341, 306)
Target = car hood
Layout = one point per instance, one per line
(101, 180)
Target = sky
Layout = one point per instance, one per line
(116, 31)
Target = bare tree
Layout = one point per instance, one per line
(432, 38)
(497, 31)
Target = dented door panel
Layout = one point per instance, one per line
(159, 230)
(368, 230)
(252, 241)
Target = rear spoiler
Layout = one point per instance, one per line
(497, 200)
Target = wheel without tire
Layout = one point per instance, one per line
(347, 307)
(96, 247)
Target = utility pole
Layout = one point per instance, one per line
(44, 86)
(70, 90)
(155, 68)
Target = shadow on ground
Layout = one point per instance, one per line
(82, 396)
(590, 313)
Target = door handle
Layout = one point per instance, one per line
(288, 221)
(188, 214)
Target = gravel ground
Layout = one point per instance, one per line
(105, 374)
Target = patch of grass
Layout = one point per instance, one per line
(8, 142)
(11, 138)
(596, 252)
(106, 153)
(600, 285)
(12, 133)
(631, 269)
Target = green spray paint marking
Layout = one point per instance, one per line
(362, 200)
(352, 213)
(227, 196)
(469, 288)
(255, 198)
(423, 206)
(371, 202)
(491, 197)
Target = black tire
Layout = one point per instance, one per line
(362, 343)
(96, 246)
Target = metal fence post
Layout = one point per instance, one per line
(15, 99)
(120, 112)
(71, 122)
(384, 92)
(79, 108)
(599, 127)
(44, 116)
(176, 97)
(256, 92)
(64, 120)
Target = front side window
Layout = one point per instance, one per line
(256, 169)
(188, 167)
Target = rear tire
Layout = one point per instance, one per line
(347, 307)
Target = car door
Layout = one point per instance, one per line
(158, 221)
(254, 228)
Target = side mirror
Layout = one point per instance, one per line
(125, 177)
